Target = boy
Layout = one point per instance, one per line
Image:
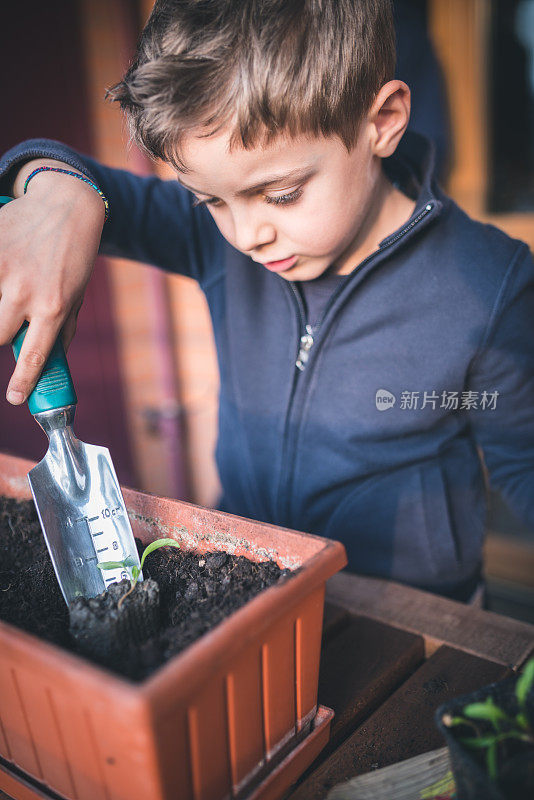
(371, 338)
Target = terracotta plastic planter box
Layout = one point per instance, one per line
(209, 724)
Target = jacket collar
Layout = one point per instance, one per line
(413, 166)
(412, 169)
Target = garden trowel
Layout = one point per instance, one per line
(75, 488)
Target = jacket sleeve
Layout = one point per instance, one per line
(151, 220)
(503, 419)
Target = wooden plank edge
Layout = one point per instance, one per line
(437, 619)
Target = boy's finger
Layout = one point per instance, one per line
(38, 342)
(10, 322)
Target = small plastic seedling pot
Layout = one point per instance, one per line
(212, 722)
(470, 776)
(103, 630)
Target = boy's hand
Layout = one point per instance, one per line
(49, 240)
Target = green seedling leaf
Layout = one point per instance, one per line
(522, 721)
(480, 742)
(451, 722)
(491, 761)
(129, 561)
(155, 546)
(111, 565)
(525, 682)
(487, 710)
(136, 571)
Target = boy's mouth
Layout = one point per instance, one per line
(281, 266)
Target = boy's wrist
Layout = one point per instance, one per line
(48, 183)
(29, 166)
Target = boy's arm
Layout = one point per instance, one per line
(156, 222)
(151, 220)
(503, 420)
(49, 239)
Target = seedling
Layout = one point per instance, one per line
(504, 725)
(129, 564)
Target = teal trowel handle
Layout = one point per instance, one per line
(54, 389)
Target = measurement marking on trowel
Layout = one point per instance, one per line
(111, 522)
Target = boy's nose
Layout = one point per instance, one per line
(252, 235)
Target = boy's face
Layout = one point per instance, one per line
(297, 205)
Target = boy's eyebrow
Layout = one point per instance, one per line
(301, 172)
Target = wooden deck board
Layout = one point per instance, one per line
(440, 621)
(334, 618)
(360, 667)
(403, 726)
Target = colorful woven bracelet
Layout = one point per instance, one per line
(74, 175)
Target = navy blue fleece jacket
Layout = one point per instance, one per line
(445, 307)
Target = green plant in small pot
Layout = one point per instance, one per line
(490, 736)
(131, 566)
(114, 624)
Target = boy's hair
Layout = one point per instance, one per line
(263, 67)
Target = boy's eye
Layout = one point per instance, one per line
(277, 199)
(284, 199)
(210, 201)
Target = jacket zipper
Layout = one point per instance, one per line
(306, 344)
(308, 338)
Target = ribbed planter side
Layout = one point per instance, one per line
(210, 723)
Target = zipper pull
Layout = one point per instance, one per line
(306, 344)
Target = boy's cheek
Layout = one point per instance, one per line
(311, 232)
(323, 238)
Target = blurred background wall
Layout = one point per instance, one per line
(143, 358)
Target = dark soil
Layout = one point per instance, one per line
(196, 592)
(111, 627)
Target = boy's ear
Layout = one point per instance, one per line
(388, 117)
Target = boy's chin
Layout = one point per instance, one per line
(305, 271)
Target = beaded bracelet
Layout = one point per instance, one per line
(74, 175)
